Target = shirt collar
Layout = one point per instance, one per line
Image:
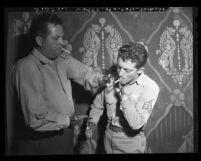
(41, 57)
(139, 80)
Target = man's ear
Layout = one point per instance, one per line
(39, 40)
(140, 70)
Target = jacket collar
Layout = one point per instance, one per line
(41, 57)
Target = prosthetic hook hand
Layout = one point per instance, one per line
(90, 129)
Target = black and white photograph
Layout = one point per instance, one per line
(100, 80)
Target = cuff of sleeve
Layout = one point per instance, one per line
(64, 120)
(94, 120)
(92, 80)
(109, 102)
(126, 108)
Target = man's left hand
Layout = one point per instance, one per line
(127, 101)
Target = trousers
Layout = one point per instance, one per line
(48, 143)
(117, 142)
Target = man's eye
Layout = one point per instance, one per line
(57, 38)
(128, 71)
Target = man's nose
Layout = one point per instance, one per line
(121, 72)
(61, 41)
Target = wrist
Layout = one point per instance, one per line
(91, 123)
(109, 102)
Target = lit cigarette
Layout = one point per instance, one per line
(65, 50)
(117, 81)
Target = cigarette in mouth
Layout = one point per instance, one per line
(116, 81)
(65, 50)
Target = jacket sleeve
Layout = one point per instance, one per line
(38, 114)
(138, 113)
(82, 74)
(97, 108)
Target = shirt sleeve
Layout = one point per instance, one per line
(38, 114)
(82, 74)
(138, 114)
(97, 108)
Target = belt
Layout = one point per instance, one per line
(35, 135)
(115, 128)
(128, 131)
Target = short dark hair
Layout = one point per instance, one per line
(39, 25)
(135, 52)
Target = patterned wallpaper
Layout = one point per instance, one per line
(96, 38)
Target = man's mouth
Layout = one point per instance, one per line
(59, 50)
(65, 50)
(122, 80)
